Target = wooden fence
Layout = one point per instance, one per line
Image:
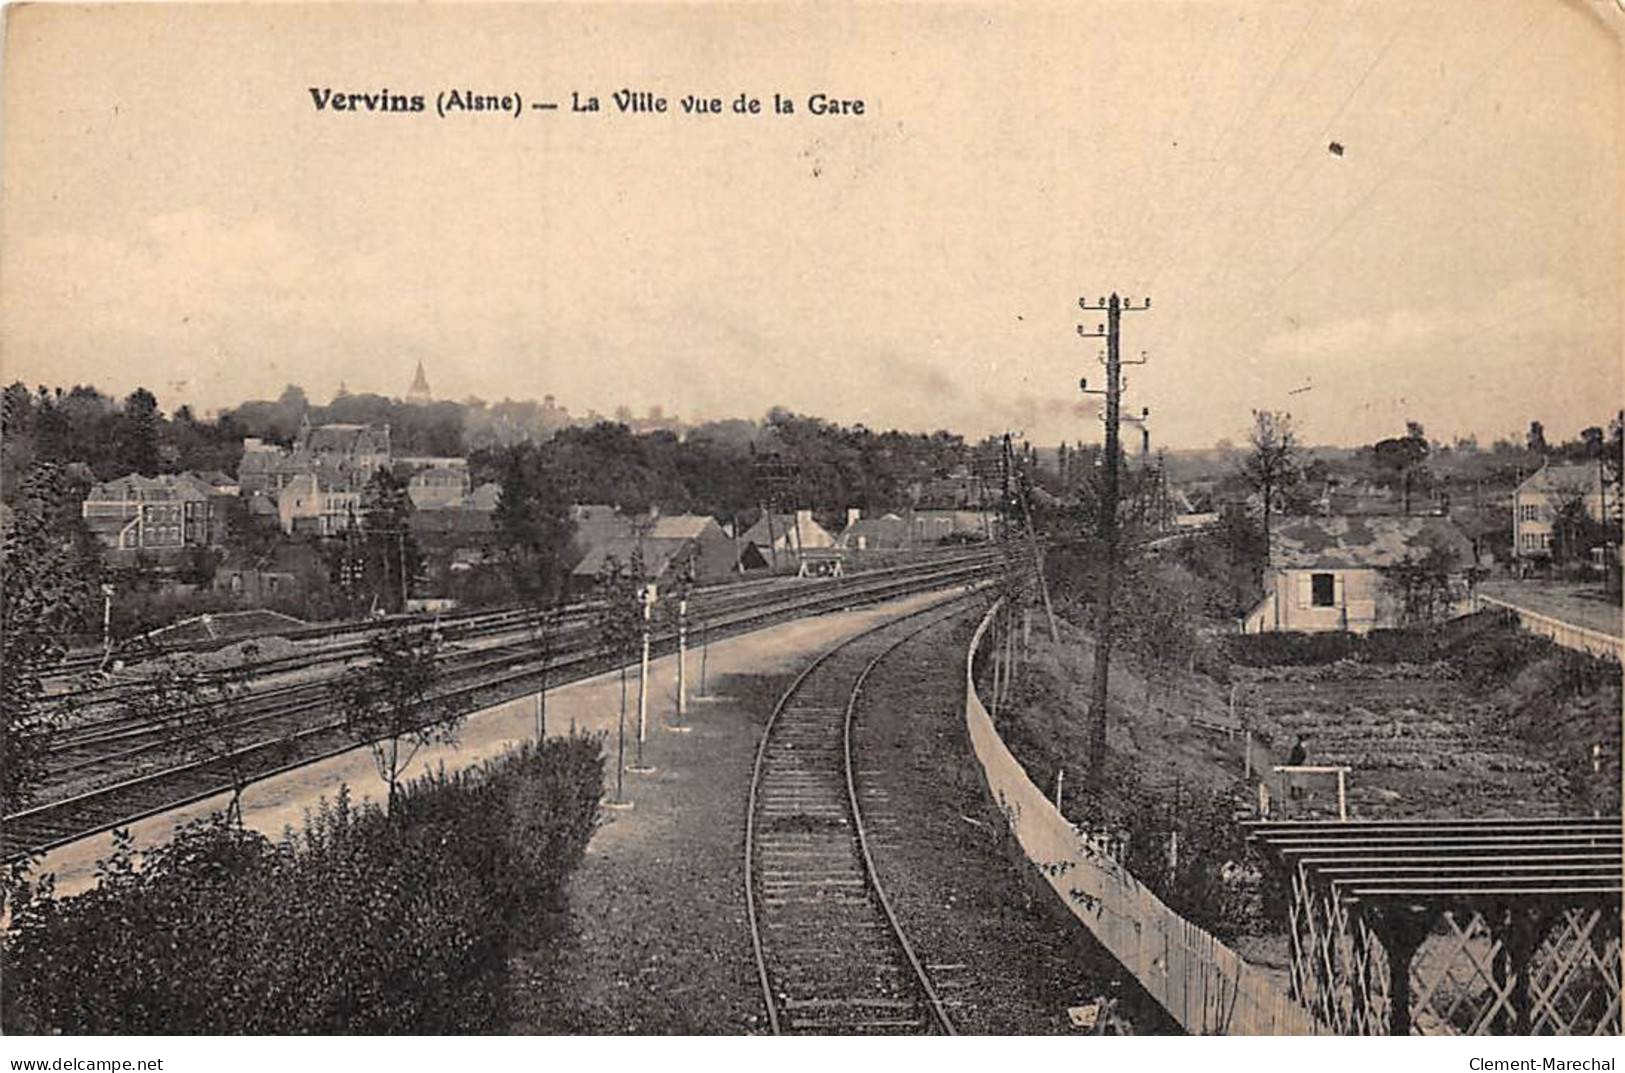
(1202, 983)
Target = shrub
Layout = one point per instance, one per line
(1417, 644)
(361, 923)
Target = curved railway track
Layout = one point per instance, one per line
(145, 771)
(830, 953)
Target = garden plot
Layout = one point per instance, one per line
(1417, 741)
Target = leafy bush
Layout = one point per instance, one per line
(1182, 842)
(361, 923)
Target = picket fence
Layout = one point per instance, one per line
(1203, 984)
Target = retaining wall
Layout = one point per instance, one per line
(1202, 983)
(1579, 638)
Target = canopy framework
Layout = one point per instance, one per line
(1495, 926)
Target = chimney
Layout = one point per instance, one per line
(852, 516)
(803, 520)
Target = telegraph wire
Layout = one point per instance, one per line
(1229, 143)
(1403, 158)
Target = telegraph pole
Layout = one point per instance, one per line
(1038, 552)
(1114, 308)
(774, 477)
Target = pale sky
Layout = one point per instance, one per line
(179, 215)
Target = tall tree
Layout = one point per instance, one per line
(533, 525)
(1405, 458)
(393, 558)
(141, 424)
(1271, 464)
(45, 590)
(1613, 473)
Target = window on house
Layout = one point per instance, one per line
(1323, 590)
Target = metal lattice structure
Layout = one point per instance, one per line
(1455, 927)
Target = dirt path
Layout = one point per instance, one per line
(1579, 605)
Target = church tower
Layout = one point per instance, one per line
(419, 391)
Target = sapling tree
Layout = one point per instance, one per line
(618, 624)
(391, 701)
(545, 623)
(201, 708)
(671, 615)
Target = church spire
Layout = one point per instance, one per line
(419, 391)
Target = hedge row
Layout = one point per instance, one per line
(1423, 644)
(362, 923)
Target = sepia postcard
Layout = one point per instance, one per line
(721, 520)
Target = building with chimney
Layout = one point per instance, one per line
(172, 510)
(341, 457)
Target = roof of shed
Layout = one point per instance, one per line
(657, 555)
(680, 526)
(1363, 541)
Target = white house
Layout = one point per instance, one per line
(305, 505)
(1328, 573)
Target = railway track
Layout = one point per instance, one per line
(125, 731)
(830, 953)
(297, 730)
(84, 661)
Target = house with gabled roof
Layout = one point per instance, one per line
(714, 554)
(307, 505)
(1335, 573)
(888, 531)
(1538, 501)
(778, 537)
(688, 545)
(342, 457)
(171, 510)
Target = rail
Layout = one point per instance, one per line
(1203, 984)
(54, 823)
(812, 837)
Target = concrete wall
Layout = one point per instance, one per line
(1566, 634)
(1202, 983)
